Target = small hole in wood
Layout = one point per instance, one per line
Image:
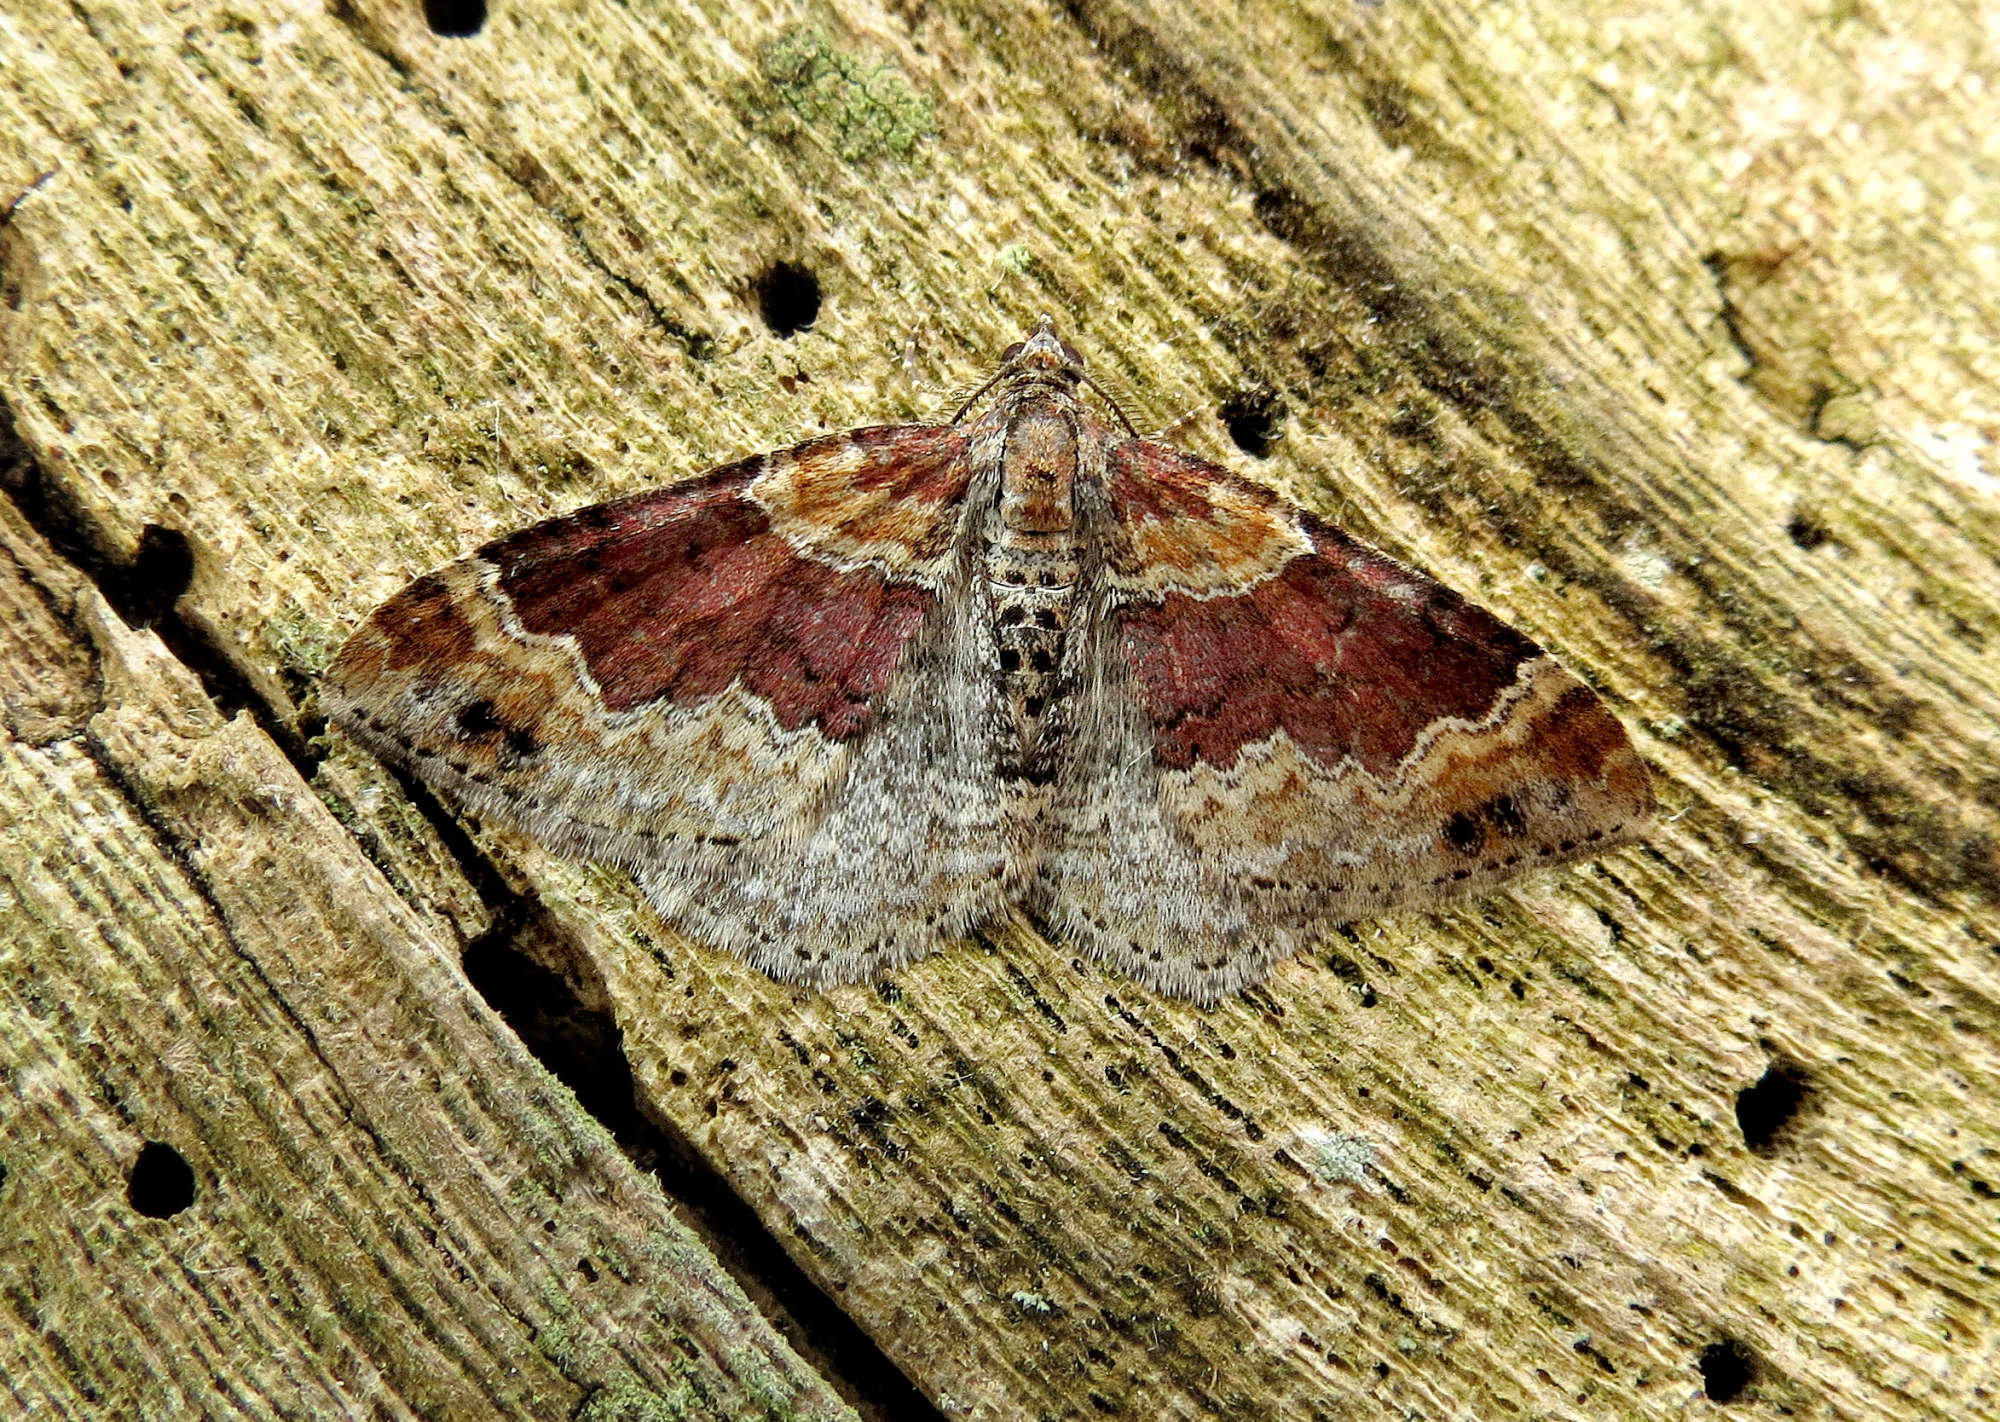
(161, 1182)
(1765, 1108)
(145, 590)
(788, 298)
(1805, 530)
(1252, 418)
(1727, 1370)
(455, 19)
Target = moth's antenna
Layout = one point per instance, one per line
(973, 398)
(1180, 422)
(1115, 407)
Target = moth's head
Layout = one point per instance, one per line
(1044, 359)
(1045, 353)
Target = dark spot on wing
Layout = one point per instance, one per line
(478, 718)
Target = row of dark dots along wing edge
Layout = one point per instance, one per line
(1491, 866)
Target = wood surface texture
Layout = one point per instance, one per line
(1666, 331)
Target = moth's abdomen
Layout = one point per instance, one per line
(1031, 575)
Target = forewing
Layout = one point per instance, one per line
(692, 683)
(1286, 730)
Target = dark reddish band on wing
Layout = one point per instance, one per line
(674, 596)
(1346, 651)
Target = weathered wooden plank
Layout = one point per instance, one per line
(1667, 334)
(266, 1153)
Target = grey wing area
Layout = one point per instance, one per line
(903, 851)
(1119, 876)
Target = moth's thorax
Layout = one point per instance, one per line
(1032, 562)
(1038, 476)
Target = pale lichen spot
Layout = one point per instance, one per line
(1338, 1158)
(1645, 565)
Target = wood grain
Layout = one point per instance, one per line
(1668, 333)
(391, 1210)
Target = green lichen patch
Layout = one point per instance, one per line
(300, 641)
(863, 107)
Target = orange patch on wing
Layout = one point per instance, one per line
(882, 497)
(1186, 526)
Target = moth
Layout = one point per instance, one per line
(840, 704)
